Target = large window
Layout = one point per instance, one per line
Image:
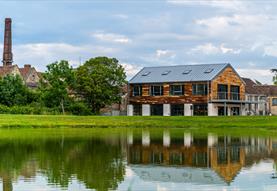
(156, 90)
(176, 90)
(222, 91)
(157, 109)
(137, 90)
(199, 89)
(137, 109)
(200, 109)
(177, 109)
(235, 93)
(274, 101)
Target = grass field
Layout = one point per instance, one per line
(269, 122)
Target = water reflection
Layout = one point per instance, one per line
(97, 163)
(207, 159)
(137, 160)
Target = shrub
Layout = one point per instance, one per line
(79, 108)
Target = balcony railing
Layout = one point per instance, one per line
(228, 96)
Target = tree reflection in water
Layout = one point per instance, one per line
(97, 163)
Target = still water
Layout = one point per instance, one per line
(137, 160)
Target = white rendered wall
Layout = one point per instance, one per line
(166, 109)
(187, 110)
(130, 110)
(145, 110)
(212, 110)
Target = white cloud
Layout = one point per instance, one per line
(270, 50)
(111, 37)
(121, 16)
(130, 69)
(209, 49)
(262, 75)
(165, 54)
(42, 54)
(225, 4)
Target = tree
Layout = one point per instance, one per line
(56, 84)
(275, 76)
(14, 92)
(99, 82)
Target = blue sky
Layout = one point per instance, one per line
(146, 33)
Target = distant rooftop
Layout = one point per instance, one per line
(180, 73)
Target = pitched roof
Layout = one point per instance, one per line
(252, 87)
(180, 73)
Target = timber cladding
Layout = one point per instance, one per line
(228, 77)
(166, 97)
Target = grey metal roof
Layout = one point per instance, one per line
(180, 73)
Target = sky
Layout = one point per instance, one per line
(141, 33)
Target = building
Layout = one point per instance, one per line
(263, 98)
(28, 74)
(208, 89)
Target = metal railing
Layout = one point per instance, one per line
(228, 96)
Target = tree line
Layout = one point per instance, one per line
(62, 89)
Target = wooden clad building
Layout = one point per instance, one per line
(208, 89)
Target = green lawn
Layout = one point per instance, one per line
(269, 122)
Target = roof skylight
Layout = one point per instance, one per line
(166, 72)
(186, 71)
(209, 70)
(146, 73)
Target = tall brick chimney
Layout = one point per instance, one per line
(7, 53)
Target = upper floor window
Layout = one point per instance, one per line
(222, 91)
(199, 89)
(274, 101)
(176, 90)
(137, 90)
(156, 90)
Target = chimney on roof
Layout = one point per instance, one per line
(7, 53)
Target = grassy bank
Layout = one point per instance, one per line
(269, 122)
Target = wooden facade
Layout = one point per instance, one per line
(227, 77)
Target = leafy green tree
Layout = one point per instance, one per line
(57, 82)
(14, 92)
(275, 76)
(99, 82)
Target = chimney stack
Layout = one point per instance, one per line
(7, 53)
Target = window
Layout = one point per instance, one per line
(199, 159)
(186, 71)
(157, 109)
(235, 93)
(209, 70)
(222, 155)
(137, 90)
(137, 109)
(156, 91)
(176, 158)
(200, 109)
(199, 89)
(177, 109)
(176, 90)
(274, 101)
(146, 73)
(166, 72)
(157, 158)
(222, 91)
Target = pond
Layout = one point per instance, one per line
(138, 159)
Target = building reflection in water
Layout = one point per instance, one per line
(208, 159)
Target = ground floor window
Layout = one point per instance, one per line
(221, 111)
(177, 109)
(137, 109)
(235, 111)
(157, 109)
(200, 109)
